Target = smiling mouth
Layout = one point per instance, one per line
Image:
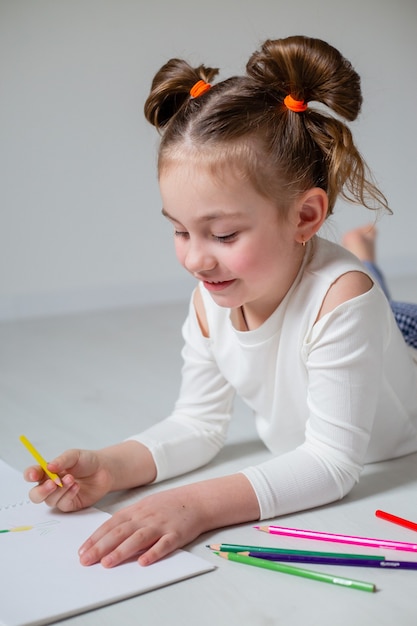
(217, 285)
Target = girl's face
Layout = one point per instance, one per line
(231, 238)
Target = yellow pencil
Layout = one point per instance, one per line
(40, 460)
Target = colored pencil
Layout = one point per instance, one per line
(298, 571)
(234, 547)
(326, 560)
(39, 458)
(396, 520)
(321, 536)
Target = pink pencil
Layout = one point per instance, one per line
(320, 536)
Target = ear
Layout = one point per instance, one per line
(311, 212)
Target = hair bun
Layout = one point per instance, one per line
(171, 87)
(309, 69)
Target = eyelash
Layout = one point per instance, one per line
(219, 238)
(179, 233)
(225, 238)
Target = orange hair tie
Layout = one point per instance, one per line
(199, 88)
(298, 106)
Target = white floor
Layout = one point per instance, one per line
(89, 371)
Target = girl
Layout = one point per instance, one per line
(249, 171)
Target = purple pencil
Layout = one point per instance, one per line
(326, 560)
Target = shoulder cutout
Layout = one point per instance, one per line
(346, 287)
(201, 312)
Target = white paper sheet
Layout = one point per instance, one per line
(41, 577)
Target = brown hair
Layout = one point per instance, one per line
(242, 122)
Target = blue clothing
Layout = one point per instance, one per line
(406, 316)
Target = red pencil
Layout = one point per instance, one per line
(396, 520)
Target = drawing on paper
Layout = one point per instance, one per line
(16, 529)
(43, 528)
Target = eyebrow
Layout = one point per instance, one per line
(167, 215)
(205, 218)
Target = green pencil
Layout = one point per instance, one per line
(298, 571)
(234, 547)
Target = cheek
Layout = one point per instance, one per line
(250, 261)
(242, 264)
(179, 250)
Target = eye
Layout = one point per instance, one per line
(181, 233)
(225, 238)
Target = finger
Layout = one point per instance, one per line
(52, 495)
(66, 499)
(115, 547)
(130, 547)
(98, 534)
(64, 461)
(41, 492)
(117, 526)
(34, 474)
(105, 539)
(166, 545)
(60, 465)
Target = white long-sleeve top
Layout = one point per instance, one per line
(327, 396)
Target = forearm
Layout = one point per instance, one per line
(127, 464)
(221, 501)
(181, 444)
(299, 480)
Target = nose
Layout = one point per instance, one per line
(198, 259)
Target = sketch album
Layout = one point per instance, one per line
(42, 579)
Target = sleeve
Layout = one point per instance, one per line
(196, 430)
(344, 357)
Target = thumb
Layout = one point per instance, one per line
(65, 462)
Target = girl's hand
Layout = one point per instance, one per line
(162, 522)
(157, 525)
(84, 476)
(87, 475)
